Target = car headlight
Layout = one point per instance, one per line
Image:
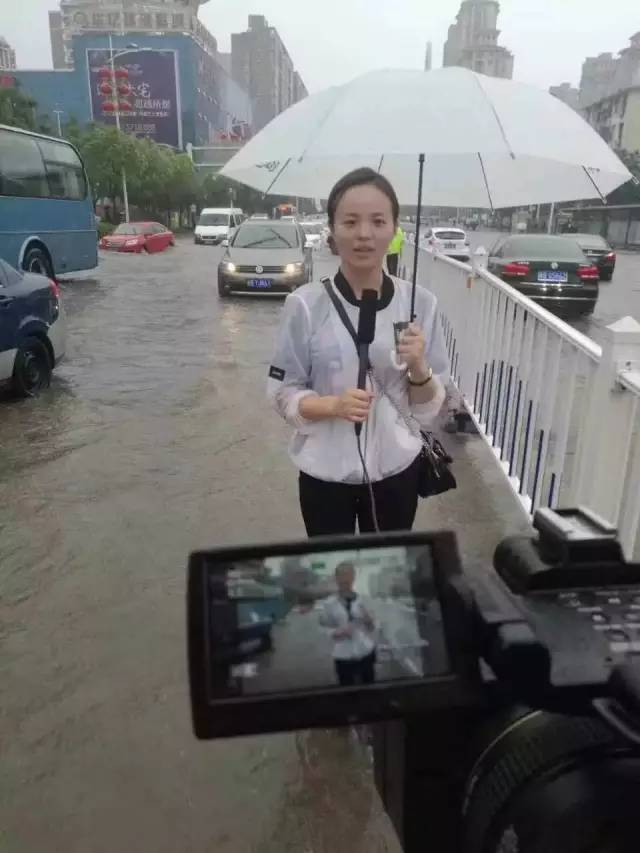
(290, 269)
(229, 267)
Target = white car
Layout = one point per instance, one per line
(448, 241)
(313, 234)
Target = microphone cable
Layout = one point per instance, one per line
(366, 480)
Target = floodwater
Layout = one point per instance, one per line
(152, 441)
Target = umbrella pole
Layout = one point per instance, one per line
(416, 248)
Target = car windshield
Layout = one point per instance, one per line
(272, 236)
(130, 229)
(448, 235)
(213, 219)
(544, 248)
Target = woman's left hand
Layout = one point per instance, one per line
(411, 348)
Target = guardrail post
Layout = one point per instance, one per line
(604, 454)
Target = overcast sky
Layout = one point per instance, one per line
(331, 41)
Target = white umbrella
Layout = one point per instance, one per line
(487, 142)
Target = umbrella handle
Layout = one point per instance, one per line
(397, 364)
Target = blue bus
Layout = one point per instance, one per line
(47, 221)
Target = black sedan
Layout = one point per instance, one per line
(599, 252)
(553, 271)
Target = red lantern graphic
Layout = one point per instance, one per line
(105, 88)
(109, 107)
(105, 71)
(124, 88)
(122, 73)
(125, 106)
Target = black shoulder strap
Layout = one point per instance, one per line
(346, 322)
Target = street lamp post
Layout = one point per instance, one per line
(125, 194)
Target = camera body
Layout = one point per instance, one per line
(548, 760)
(519, 731)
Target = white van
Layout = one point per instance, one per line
(216, 224)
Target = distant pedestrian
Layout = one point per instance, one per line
(394, 251)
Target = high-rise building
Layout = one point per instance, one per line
(473, 40)
(567, 93)
(7, 55)
(261, 64)
(56, 35)
(606, 74)
(428, 57)
(78, 17)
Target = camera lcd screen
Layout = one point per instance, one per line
(318, 620)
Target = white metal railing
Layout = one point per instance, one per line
(561, 413)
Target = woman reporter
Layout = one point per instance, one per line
(313, 376)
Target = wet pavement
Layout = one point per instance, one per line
(153, 440)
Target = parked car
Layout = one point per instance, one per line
(216, 224)
(32, 330)
(551, 270)
(448, 241)
(265, 257)
(599, 252)
(139, 237)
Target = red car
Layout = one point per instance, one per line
(138, 237)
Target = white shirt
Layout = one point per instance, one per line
(334, 615)
(315, 355)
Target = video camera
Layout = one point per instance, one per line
(511, 699)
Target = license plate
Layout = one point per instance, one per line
(260, 283)
(553, 276)
(449, 245)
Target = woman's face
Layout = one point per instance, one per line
(363, 227)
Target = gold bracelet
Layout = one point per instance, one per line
(424, 381)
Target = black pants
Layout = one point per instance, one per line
(392, 264)
(331, 508)
(351, 672)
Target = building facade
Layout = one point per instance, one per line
(473, 40)
(568, 94)
(207, 102)
(82, 17)
(7, 55)
(617, 118)
(606, 74)
(262, 66)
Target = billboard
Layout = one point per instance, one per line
(146, 94)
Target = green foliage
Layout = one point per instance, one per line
(17, 109)
(158, 179)
(105, 228)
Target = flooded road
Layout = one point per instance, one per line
(152, 441)
(155, 439)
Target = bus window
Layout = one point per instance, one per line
(64, 171)
(22, 172)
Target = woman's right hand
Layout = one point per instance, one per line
(354, 405)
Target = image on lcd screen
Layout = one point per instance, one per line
(334, 619)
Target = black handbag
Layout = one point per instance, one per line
(435, 476)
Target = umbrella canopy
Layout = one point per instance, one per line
(487, 142)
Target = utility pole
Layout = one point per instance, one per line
(57, 114)
(114, 86)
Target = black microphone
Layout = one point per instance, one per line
(366, 334)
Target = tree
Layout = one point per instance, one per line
(17, 109)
